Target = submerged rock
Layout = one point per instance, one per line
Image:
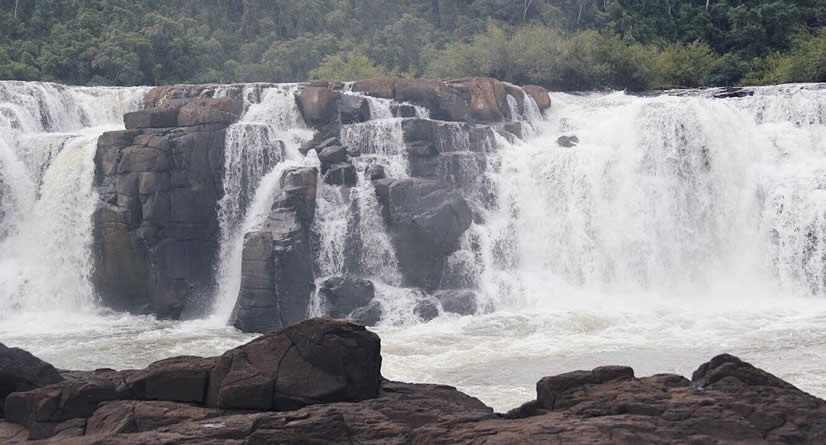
(567, 141)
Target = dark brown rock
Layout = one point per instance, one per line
(488, 99)
(383, 87)
(177, 379)
(156, 118)
(22, 371)
(316, 361)
(319, 106)
(137, 416)
(539, 95)
(221, 111)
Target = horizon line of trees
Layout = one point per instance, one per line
(559, 44)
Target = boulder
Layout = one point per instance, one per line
(343, 295)
(443, 102)
(353, 109)
(539, 95)
(567, 141)
(319, 106)
(221, 111)
(316, 361)
(22, 371)
(173, 97)
(156, 118)
(426, 310)
(369, 315)
(457, 301)
(383, 87)
(318, 144)
(333, 154)
(488, 98)
(425, 221)
(177, 379)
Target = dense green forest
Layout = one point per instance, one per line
(560, 44)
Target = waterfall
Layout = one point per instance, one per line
(258, 148)
(48, 139)
(666, 195)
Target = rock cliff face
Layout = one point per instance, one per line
(160, 181)
(319, 382)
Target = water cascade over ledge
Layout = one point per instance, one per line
(650, 230)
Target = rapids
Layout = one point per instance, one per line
(680, 226)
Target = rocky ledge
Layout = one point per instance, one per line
(319, 382)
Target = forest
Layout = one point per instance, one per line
(559, 44)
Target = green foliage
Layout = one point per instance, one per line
(561, 44)
(351, 66)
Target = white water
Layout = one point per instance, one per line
(258, 150)
(678, 228)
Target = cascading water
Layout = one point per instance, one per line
(48, 139)
(678, 227)
(268, 135)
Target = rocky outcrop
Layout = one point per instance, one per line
(425, 221)
(21, 371)
(159, 181)
(277, 261)
(319, 381)
(341, 296)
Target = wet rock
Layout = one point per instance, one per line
(567, 141)
(173, 97)
(487, 97)
(150, 119)
(369, 315)
(374, 172)
(539, 95)
(318, 144)
(343, 295)
(425, 221)
(443, 102)
(457, 301)
(341, 174)
(426, 310)
(316, 361)
(221, 111)
(22, 371)
(353, 109)
(383, 87)
(333, 154)
(403, 110)
(156, 228)
(319, 106)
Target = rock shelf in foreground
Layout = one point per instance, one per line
(319, 382)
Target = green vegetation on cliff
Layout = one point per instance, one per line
(560, 44)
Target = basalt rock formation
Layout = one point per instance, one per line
(157, 233)
(319, 382)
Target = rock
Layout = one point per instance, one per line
(319, 106)
(443, 102)
(567, 141)
(150, 119)
(353, 109)
(173, 97)
(299, 190)
(156, 228)
(222, 111)
(426, 310)
(12, 432)
(383, 87)
(403, 110)
(177, 379)
(333, 154)
(318, 144)
(21, 371)
(374, 172)
(488, 99)
(341, 174)
(343, 295)
(137, 416)
(369, 315)
(457, 301)
(276, 274)
(539, 95)
(726, 370)
(316, 361)
(425, 222)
